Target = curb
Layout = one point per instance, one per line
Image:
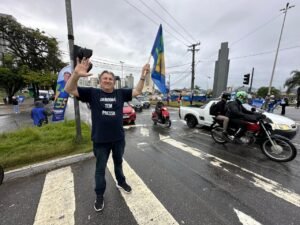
(45, 166)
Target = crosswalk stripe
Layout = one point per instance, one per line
(259, 181)
(57, 202)
(143, 204)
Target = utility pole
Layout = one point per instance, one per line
(193, 50)
(252, 74)
(287, 7)
(122, 78)
(71, 50)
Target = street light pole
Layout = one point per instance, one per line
(208, 79)
(275, 61)
(122, 79)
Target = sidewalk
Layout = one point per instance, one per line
(26, 106)
(10, 121)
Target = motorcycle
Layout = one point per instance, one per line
(165, 117)
(275, 147)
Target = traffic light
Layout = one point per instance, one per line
(246, 78)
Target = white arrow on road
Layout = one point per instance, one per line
(245, 219)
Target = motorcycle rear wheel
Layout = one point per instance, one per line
(217, 135)
(168, 123)
(283, 151)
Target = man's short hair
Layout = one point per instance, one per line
(108, 72)
(67, 72)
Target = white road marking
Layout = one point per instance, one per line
(245, 219)
(259, 181)
(145, 132)
(136, 125)
(57, 202)
(145, 207)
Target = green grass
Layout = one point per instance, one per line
(36, 144)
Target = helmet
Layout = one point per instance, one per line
(241, 96)
(226, 96)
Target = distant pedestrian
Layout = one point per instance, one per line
(284, 102)
(271, 104)
(168, 99)
(191, 97)
(266, 102)
(39, 114)
(180, 99)
(298, 98)
(4, 101)
(15, 103)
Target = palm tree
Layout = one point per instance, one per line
(293, 81)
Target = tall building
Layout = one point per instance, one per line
(94, 82)
(118, 82)
(129, 81)
(83, 82)
(221, 70)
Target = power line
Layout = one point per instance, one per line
(178, 65)
(264, 53)
(174, 29)
(117, 64)
(182, 27)
(154, 21)
(253, 31)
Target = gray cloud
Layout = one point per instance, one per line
(118, 32)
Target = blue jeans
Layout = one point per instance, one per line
(101, 152)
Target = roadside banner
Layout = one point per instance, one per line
(61, 97)
(258, 103)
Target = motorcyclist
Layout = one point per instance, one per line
(158, 109)
(220, 111)
(238, 114)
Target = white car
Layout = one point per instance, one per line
(200, 116)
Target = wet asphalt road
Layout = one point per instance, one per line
(195, 180)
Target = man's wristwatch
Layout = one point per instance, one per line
(142, 79)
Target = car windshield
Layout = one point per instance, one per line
(125, 104)
(135, 101)
(143, 98)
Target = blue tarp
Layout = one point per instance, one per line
(257, 102)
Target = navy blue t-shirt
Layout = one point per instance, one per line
(107, 112)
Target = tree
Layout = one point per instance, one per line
(30, 47)
(10, 81)
(263, 92)
(10, 78)
(37, 80)
(293, 81)
(32, 50)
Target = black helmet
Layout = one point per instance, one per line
(226, 96)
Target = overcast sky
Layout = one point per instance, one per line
(124, 30)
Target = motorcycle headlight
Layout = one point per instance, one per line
(279, 126)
